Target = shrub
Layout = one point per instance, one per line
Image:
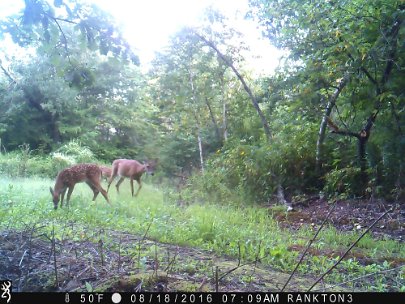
(60, 161)
(74, 152)
(242, 172)
(41, 166)
(24, 163)
(345, 182)
(9, 163)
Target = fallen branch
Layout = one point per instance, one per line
(348, 250)
(22, 258)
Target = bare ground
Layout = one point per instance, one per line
(28, 260)
(348, 215)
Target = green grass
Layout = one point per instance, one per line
(250, 232)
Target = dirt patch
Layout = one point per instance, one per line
(130, 263)
(353, 215)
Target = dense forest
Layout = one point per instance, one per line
(328, 123)
(331, 119)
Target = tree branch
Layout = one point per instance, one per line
(56, 20)
(346, 133)
(59, 19)
(8, 74)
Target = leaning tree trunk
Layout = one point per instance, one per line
(252, 97)
(328, 111)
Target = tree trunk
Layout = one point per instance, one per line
(362, 142)
(253, 99)
(225, 121)
(198, 126)
(328, 111)
(200, 149)
(362, 139)
(34, 97)
(54, 129)
(214, 122)
(281, 198)
(224, 109)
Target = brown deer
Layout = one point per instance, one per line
(131, 169)
(69, 177)
(105, 172)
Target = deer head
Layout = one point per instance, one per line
(150, 166)
(55, 197)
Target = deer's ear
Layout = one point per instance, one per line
(51, 190)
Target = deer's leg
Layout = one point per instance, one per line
(110, 181)
(62, 196)
(69, 194)
(103, 192)
(132, 186)
(94, 188)
(114, 173)
(140, 186)
(97, 189)
(119, 183)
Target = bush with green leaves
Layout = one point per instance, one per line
(74, 152)
(8, 164)
(345, 183)
(25, 162)
(248, 172)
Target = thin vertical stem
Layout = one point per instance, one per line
(54, 257)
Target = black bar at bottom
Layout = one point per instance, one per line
(204, 297)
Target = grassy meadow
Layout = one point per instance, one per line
(245, 234)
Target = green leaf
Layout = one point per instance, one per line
(89, 288)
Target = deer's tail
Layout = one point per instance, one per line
(114, 171)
